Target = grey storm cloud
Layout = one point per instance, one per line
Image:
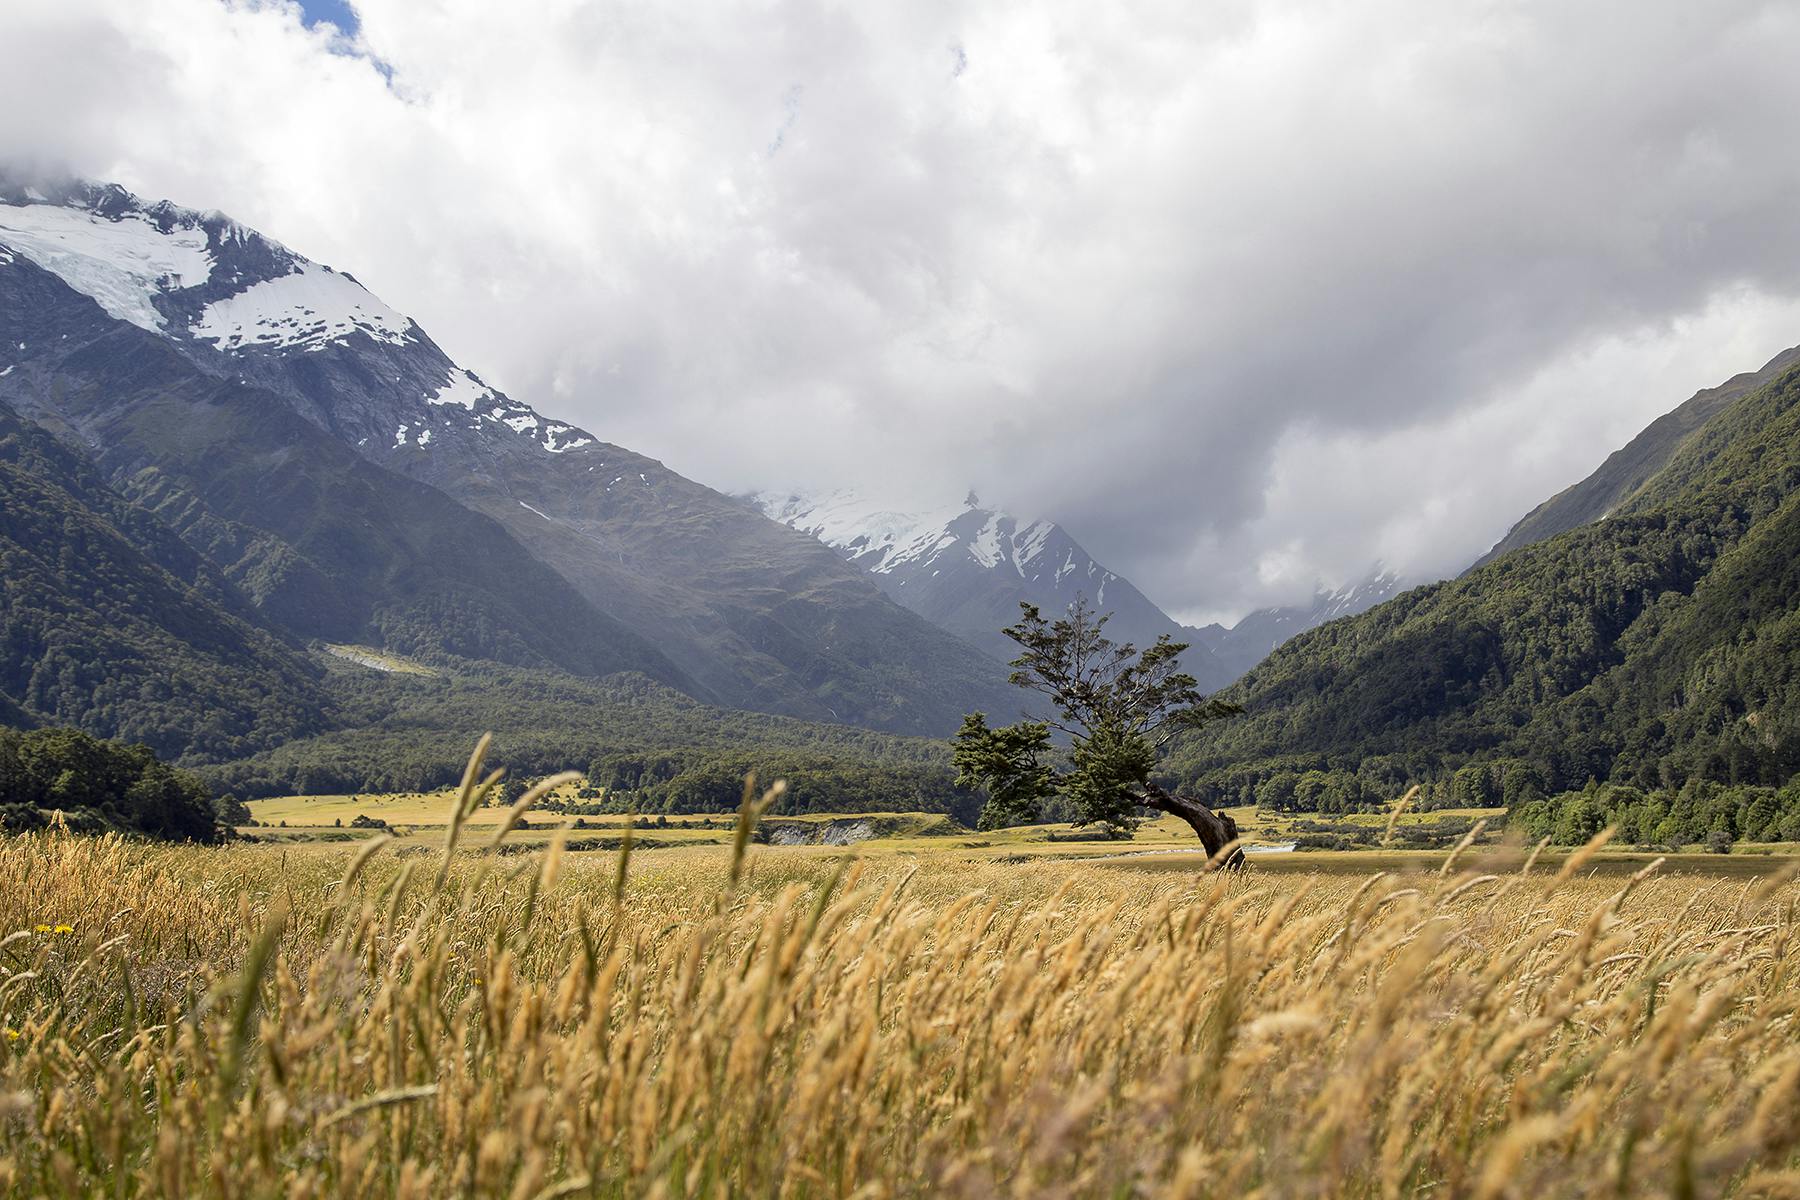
(1247, 295)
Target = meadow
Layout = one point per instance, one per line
(398, 1018)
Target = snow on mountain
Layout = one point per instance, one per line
(889, 541)
(204, 281)
(308, 308)
(461, 388)
(1256, 636)
(966, 567)
(123, 263)
(1378, 586)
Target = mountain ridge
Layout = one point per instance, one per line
(1633, 465)
(1652, 647)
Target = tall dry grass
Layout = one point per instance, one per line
(251, 1022)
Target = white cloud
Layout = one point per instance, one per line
(1217, 285)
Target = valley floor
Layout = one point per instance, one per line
(913, 1016)
(419, 819)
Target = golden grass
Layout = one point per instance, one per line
(761, 1022)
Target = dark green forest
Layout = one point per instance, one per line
(650, 747)
(1701, 813)
(110, 623)
(100, 786)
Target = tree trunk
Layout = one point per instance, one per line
(1216, 829)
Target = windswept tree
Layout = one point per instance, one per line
(1118, 707)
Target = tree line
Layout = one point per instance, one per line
(102, 786)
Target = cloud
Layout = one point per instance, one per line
(1247, 294)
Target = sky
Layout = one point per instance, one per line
(1247, 294)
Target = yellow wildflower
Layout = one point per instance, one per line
(65, 929)
(41, 929)
(13, 1035)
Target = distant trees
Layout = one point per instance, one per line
(1117, 706)
(1316, 790)
(99, 785)
(645, 747)
(1700, 813)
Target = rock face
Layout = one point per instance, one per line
(361, 486)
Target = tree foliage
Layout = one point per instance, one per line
(1009, 763)
(1116, 706)
(99, 785)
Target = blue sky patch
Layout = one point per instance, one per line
(337, 12)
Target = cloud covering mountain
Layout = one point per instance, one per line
(1279, 291)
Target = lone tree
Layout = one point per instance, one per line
(1119, 709)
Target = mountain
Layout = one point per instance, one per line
(324, 544)
(1631, 468)
(110, 623)
(359, 485)
(967, 567)
(1655, 646)
(1245, 644)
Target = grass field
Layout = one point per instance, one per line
(429, 811)
(1165, 843)
(916, 1018)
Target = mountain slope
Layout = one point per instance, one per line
(324, 544)
(108, 622)
(1629, 468)
(746, 611)
(1658, 645)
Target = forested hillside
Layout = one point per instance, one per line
(110, 623)
(650, 747)
(1635, 464)
(1654, 647)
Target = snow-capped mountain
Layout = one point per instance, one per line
(206, 283)
(1256, 636)
(177, 344)
(907, 546)
(967, 566)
